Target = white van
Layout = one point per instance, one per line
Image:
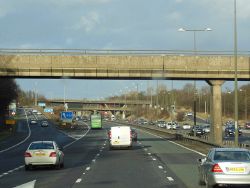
(120, 136)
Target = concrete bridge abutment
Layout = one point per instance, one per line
(216, 111)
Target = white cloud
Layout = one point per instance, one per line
(178, 1)
(87, 22)
(75, 2)
(225, 7)
(174, 16)
(6, 8)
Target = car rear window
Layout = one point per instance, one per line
(42, 145)
(232, 155)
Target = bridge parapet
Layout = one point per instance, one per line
(203, 67)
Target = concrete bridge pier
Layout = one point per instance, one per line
(216, 111)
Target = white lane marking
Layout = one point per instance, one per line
(149, 153)
(78, 180)
(202, 154)
(165, 171)
(154, 159)
(145, 149)
(30, 184)
(160, 167)
(170, 179)
(78, 138)
(1, 176)
(10, 171)
(88, 168)
(94, 160)
(83, 173)
(98, 154)
(22, 140)
(5, 173)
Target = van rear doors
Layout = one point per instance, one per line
(120, 136)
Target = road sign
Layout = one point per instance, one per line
(48, 110)
(67, 116)
(41, 104)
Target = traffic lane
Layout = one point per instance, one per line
(14, 157)
(77, 156)
(181, 163)
(122, 168)
(22, 132)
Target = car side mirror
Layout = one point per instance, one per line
(201, 160)
(60, 148)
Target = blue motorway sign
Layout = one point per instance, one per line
(48, 110)
(41, 104)
(67, 116)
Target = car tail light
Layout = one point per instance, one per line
(109, 134)
(216, 168)
(52, 154)
(27, 154)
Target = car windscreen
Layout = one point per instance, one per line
(42, 145)
(232, 156)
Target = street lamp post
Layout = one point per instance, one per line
(236, 137)
(195, 51)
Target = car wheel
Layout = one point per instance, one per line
(62, 165)
(58, 166)
(27, 167)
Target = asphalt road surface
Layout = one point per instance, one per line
(152, 162)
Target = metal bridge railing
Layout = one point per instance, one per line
(15, 51)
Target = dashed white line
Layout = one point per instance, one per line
(149, 153)
(78, 180)
(154, 159)
(160, 167)
(94, 160)
(145, 149)
(83, 173)
(88, 168)
(170, 179)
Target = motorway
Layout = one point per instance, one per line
(152, 162)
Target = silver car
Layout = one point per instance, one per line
(43, 153)
(225, 166)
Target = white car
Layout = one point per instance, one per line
(186, 126)
(43, 153)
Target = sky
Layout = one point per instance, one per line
(118, 25)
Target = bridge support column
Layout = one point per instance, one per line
(216, 111)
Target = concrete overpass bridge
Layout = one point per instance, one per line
(99, 105)
(213, 67)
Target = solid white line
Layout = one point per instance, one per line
(22, 140)
(78, 180)
(170, 178)
(177, 144)
(5, 173)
